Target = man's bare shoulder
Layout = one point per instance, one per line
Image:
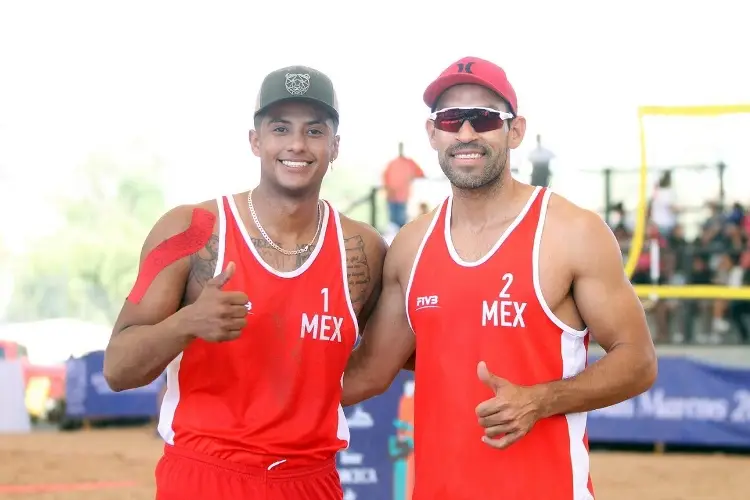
(411, 235)
(180, 218)
(584, 232)
(361, 234)
(199, 221)
(563, 213)
(404, 247)
(365, 252)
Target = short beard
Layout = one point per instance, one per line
(491, 174)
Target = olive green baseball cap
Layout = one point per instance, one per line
(300, 83)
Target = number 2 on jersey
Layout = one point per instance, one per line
(508, 279)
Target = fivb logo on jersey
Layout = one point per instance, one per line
(504, 311)
(321, 326)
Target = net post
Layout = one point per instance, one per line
(608, 195)
(722, 167)
(374, 207)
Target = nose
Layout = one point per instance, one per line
(297, 143)
(466, 133)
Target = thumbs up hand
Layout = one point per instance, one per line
(221, 279)
(217, 315)
(510, 414)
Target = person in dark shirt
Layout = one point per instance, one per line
(739, 310)
(700, 274)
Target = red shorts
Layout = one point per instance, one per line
(187, 475)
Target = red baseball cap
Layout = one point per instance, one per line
(472, 70)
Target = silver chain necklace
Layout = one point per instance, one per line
(270, 241)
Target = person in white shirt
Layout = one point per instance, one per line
(540, 159)
(663, 212)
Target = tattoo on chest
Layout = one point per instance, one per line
(203, 265)
(279, 261)
(357, 270)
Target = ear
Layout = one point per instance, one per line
(516, 132)
(255, 142)
(335, 151)
(430, 127)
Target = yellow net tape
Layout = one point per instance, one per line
(636, 247)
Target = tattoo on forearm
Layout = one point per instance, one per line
(357, 270)
(203, 262)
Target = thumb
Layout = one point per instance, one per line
(490, 379)
(221, 279)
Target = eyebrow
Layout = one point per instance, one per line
(315, 121)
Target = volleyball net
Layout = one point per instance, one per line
(697, 131)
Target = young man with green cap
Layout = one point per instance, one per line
(252, 303)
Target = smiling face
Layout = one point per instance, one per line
(295, 141)
(471, 159)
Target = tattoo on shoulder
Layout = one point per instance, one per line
(357, 270)
(203, 262)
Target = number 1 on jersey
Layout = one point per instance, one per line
(324, 292)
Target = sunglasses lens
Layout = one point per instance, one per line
(481, 120)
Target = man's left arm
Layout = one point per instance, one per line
(365, 253)
(614, 316)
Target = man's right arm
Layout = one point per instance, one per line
(150, 330)
(388, 341)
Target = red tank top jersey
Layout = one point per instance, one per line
(490, 310)
(274, 393)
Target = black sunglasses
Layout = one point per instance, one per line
(481, 119)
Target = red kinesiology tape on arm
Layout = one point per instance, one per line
(171, 250)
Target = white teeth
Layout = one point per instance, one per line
(295, 164)
(472, 156)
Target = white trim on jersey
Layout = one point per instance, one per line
(222, 236)
(170, 401)
(172, 394)
(573, 353)
(536, 278)
(413, 271)
(449, 240)
(574, 356)
(281, 274)
(342, 429)
(342, 249)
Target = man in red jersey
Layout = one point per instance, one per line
(499, 287)
(252, 303)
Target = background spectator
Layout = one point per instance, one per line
(540, 158)
(397, 179)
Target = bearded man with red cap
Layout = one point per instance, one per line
(501, 287)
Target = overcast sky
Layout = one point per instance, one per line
(77, 77)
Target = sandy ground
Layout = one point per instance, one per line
(129, 456)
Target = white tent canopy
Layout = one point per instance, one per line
(53, 341)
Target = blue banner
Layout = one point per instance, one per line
(692, 403)
(89, 396)
(379, 463)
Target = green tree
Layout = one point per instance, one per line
(86, 269)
